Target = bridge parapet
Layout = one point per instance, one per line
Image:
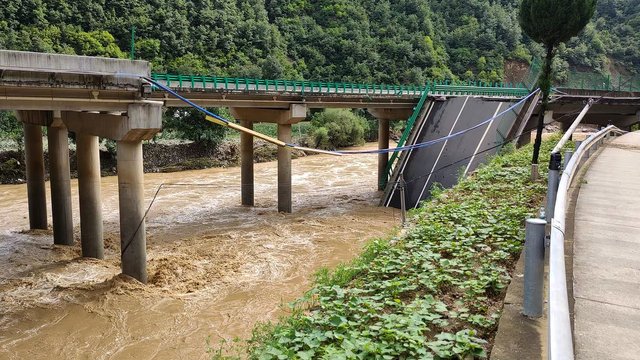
(246, 92)
(19, 68)
(38, 81)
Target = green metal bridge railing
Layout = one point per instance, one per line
(446, 87)
(200, 82)
(405, 134)
(601, 82)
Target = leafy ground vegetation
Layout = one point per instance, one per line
(434, 292)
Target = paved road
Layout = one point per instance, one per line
(606, 264)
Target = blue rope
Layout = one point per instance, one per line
(196, 106)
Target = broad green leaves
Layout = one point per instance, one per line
(434, 293)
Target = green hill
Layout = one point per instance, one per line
(400, 41)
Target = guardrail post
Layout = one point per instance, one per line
(555, 162)
(534, 268)
(403, 204)
(567, 157)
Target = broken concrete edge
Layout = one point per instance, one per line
(72, 64)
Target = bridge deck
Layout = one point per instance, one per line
(606, 264)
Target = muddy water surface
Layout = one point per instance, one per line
(215, 268)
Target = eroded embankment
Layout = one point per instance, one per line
(215, 268)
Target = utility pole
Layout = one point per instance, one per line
(132, 53)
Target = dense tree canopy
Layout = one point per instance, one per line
(551, 22)
(392, 41)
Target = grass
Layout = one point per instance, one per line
(435, 292)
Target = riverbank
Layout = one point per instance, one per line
(434, 292)
(159, 157)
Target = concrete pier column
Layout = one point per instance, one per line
(383, 159)
(284, 169)
(36, 191)
(90, 195)
(384, 116)
(60, 181)
(131, 196)
(284, 118)
(246, 170)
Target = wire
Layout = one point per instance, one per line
(153, 200)
(125, 246)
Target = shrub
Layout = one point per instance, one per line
(189, 124)
(334, 128)
(11, 128)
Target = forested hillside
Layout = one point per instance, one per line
(391, 41)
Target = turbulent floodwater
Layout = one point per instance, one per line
(215, 268)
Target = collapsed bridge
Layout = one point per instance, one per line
(108, 98)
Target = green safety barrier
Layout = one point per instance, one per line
(447, 87)
(600, 82)
(405, 134)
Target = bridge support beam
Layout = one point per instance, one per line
(284, 169)
(246, 166)
(384, 116)
(131, 195)
(284, 119)
(60, 181)
(34, 157)
(90, 196)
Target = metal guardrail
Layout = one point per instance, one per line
(560, 338)
(601, 82)
(200, 82)
(405, 135)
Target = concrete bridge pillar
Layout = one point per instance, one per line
(383, 159)
(246, 169)
(284, 118)
(90, 195)
(284, 169)
(141, 122)
(36, 192)
(60, 181)
(384, 116)
(131, 195)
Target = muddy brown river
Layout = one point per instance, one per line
(215, 267)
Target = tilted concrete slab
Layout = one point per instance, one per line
(606, 263)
